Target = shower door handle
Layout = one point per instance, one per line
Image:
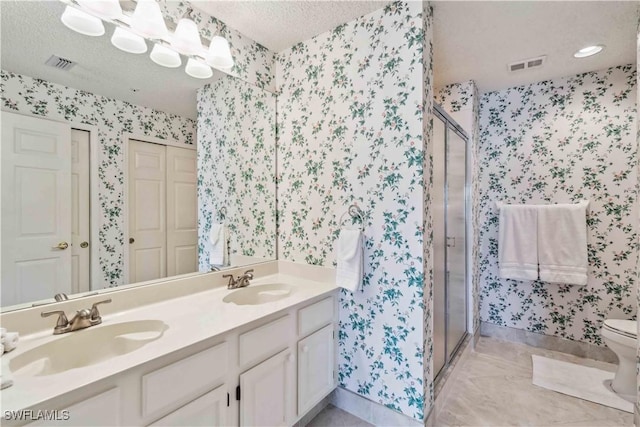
(451, 242)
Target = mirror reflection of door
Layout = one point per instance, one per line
(162, 209)
(45, 209)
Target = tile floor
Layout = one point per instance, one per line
(493, 388)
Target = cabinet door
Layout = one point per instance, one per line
(268, 392)
(316, 363)
(207, 410)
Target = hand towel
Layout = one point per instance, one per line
(350, 258)
(517, 242)
(562, 243)
(218, 241)
(10, 341)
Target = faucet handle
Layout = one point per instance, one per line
(249, 274)
(95, 314)
(232, 281)
(62, 322)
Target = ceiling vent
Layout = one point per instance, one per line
(526, 64)
(60, 63)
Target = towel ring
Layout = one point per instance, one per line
(355, 213)
(222, 213)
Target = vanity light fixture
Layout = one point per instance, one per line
(146, 22)
(164, 56)
(128, 42)
(82, 22)
(219, 55)
(197, 69)
(589, 51)
(186, 39)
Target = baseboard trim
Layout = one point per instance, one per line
(548, 342)
(371, 412)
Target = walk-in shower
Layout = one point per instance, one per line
(450, 189)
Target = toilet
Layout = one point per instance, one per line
(621, 337)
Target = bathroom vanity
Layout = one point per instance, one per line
(260, 355)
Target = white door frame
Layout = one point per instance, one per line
(94, 203)
(126, 136)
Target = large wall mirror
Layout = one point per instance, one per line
(116, 170)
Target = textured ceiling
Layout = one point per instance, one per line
(476, 40)
(473, 40)
(278, 25)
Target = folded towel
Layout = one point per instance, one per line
(350, 259)
(6, 379)
(517, 242)
(10, 341)
(3, 332)
(1, 349)
(562, 243)
(218, 239)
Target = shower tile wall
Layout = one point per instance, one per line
(112, 118)
(350, 130)
(462, 102)
(561, 141)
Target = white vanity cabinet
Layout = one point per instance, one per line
(269, 372)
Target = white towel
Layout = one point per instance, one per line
(562, 243)
(517, 242)
(350, 258)
(218, 240)
(10, 341)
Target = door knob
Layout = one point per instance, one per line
(84, 245)
(131, 240)
(62, 246)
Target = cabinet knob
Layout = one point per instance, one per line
(131, 240)
(62, 246)
(305, 349)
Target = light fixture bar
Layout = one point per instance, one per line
(146, 23)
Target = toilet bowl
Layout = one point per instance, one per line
(621, 337)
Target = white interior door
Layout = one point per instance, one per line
(36, 208)
(182, 211)
(80, 229)
(147, 206)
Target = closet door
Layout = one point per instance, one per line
(80, 229)
(147, 211)
(182, 208)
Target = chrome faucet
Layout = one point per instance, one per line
(241, 281)
(82, 319)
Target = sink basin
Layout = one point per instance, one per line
(259, 294)
(87, 347)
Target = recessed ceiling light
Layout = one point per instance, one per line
(588, 51)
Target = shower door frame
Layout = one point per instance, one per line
(452, 125)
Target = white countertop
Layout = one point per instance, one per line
(191, 319)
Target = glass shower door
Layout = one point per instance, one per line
(456, 240)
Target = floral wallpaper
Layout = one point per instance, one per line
(112, 117)
(562, 141)
(462, 100)
(236, 167)
(350, 130)
(637, 408)
(254, 63)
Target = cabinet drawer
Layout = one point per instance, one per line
(207, 410)
(315, 316)
(185, 379)
(100, 410)
(260, 343)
